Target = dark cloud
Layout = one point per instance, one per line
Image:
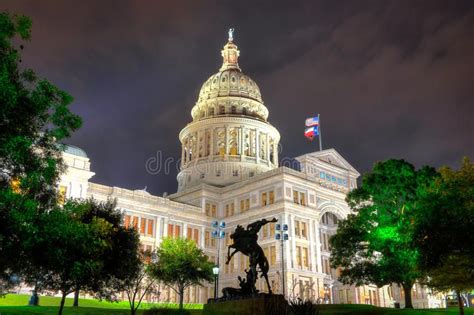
(390, 78)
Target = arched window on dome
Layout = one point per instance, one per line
(233, 141)
(244, 111)
(211, 111)
(221, 110)
(233, 109)
(220, 142)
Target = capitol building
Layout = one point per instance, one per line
(230, 171)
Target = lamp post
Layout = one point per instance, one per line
(282, 236)
(219, 234)
(215, 271)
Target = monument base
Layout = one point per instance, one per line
(260, 304)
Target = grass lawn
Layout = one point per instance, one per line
(369, 310)
(14, 304)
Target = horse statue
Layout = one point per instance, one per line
(245, 242)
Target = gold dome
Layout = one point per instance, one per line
(229, 91)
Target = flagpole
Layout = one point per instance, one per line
(320, 143)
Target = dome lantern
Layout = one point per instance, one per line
(230, 54)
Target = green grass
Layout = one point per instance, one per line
(358, 309)
(14, 304)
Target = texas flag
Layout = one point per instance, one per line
(313, 121)
(311, 132)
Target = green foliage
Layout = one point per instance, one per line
(180, 264)
(300, 307)
(34, 115)
(374, 245)
(444, 230)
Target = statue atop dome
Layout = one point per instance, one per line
(231, 34)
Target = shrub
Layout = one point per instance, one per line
(300, 307)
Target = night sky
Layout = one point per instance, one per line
(391, 79)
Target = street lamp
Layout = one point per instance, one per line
(218, 233)
(215, 271)
(282, 236)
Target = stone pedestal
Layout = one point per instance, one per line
(261, 304)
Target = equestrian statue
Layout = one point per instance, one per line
(245, 242)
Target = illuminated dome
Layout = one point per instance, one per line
(229, 139)
(229, 91)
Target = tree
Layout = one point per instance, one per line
(34, 115)
(444, 231)
(135, 280)
(374, 245)
(71, 249)
(181, 264)
(120, 252)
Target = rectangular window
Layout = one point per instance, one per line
(208, 209)
(142, 226)
(177, 231)
(242, 205)
(298, 256)
(265, 231)
(62, 194)
(149, 231)
(271, 197)
(295, 196)
(297, 228)
(264, 199)
(189, 233)
(207, 236)
(305, 257)
(303, 199)
(272, 230)
(127, 221)
(272, 256)
(135, 223)
(214, 211)
(303, 230)
(196, 236)
(247, 204)
(170, 230)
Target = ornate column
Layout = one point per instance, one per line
(198, 144)
(241, 143)
(275, 152)
(311, 246)
(267, 148)
(318, 247)
(211, 143)
(257, 145)
(226, 140)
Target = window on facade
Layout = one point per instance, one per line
(127, 221)
(135, 223)
(211, 111)
(272, 230)
(304, 232)
(221, 110)
(235, 173)
(272, 256)
(244, 205)
(151, 223)
(207, 238)
(298, 256)
(271, 197)
(244, 111)
(211, 210)
(174, 230)
(265, 231)
(299, 197)
(297, 228)
(264, 199)
(233, 109)
(61, 196)
(305, 256)
(229, 209)
(142, 226)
